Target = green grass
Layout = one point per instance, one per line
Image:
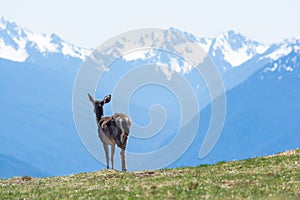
(273, 177)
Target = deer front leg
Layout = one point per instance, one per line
(123, 160)
(113, 148)
(106, 154)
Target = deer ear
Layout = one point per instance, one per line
(107, 99)
(91, 98)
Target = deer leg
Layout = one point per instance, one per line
(106, 154)
(113, 148)
(123, 160)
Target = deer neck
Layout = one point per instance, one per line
(99, 114)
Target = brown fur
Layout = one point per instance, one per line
(112, 130)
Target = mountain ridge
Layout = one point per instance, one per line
(229, 49)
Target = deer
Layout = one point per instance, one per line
(112, 130)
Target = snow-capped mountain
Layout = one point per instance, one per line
(235, 49)
(228, 50)
(20, 44)
(284, 57)
(37, 131)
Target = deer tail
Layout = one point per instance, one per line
(125, 126)
(123, 122)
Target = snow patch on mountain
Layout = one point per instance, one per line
(283, 50)
(141, 54)
(236, 58)
(74, 51)
(236, 48)
(284, 58)
(10, 53)
(43, 42)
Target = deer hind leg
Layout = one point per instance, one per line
(113, 148)
(123, 160)
(123, 147)
(106, 155)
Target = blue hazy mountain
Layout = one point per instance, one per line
(13, 167)
(36, 119)
(261, 118)
(38, 71)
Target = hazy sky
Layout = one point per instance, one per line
(88, 23)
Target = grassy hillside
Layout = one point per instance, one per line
(272, 177)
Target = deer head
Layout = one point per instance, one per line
(99, 104)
